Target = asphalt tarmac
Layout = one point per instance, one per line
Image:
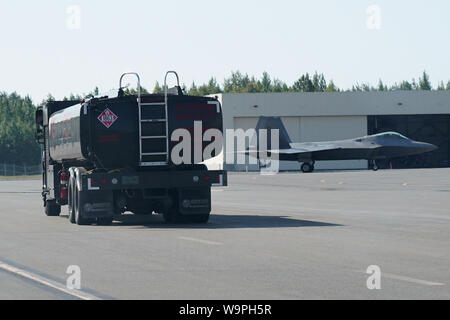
(287, 236)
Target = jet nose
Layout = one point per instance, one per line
(428, 147)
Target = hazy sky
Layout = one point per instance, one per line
(44, 50)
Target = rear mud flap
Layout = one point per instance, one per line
(98, 204)
(194, 201)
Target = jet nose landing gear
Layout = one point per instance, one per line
(307, 167)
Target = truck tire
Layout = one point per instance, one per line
(105, 221)
(166, 217)
(52, 209)
(199, 218)
(79, 208)
(171, 216)
(70, 202)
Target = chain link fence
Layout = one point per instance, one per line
(13, 170)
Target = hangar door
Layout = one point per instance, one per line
(433, 129)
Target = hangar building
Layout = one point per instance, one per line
(419, 115)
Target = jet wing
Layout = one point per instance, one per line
(303, 152)
(299, 148)
(294, 153)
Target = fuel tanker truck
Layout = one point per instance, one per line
(138, 153)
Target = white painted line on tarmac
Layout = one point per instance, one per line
(408, 279)
(47, 282)
(412, 280)
(200, 241)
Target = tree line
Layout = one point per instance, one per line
(243, 83)
(17, 144)
(238, 82)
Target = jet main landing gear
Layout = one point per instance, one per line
(307, 167)
(374, 165)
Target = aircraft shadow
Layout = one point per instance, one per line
(219, 221)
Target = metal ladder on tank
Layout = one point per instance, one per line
(161, 156)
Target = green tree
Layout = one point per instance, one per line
(253, 86)
(157, 88)
(424, 82)
(211, 87)
(77, 97)
(303, 84)
(236, 83)
(414, 85)
(279, 86)
(364, 87)
(134, 91)
(332, 87)
(17, 144)
(319, 82)
(266, 83)
(93, 93)
(49, 98)
(193, 90)
(405, 85)
(381, 86)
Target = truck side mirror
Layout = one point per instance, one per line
(39, 134)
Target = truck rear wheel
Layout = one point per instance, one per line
(171, 216)
(70, 202)
(199, 218)
(105, 221)
(52, 209)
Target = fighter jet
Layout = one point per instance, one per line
(386, 145)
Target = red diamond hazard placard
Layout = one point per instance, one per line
(108, 118)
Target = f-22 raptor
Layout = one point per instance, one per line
(386, 145)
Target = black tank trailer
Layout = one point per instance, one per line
(109, 155)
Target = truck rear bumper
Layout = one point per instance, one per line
(156, 179)
(189, 191)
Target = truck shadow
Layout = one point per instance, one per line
(218, 221)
